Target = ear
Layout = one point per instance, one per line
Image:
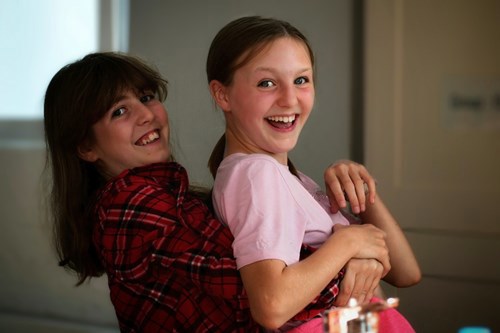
(219, 94)
(86, 153)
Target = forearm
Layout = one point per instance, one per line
(405, 270)
(277, 292)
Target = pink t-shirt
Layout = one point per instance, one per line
(270, 211)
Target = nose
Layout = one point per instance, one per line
(143, 113)
(288, 95)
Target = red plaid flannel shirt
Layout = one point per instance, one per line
(169, 261)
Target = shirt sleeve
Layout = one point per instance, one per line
(150, 234)
(261, 212)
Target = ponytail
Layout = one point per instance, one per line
(217, 155)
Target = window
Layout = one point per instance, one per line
(38, 37)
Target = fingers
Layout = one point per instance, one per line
(368, 281)
(376, 275)
(336, 197)
(360, 281)
(361, 289)
(351, 181)
(383, 254)
(346, 287)
(355, 191)
(334, 189)
(386, 263)
(371, 189)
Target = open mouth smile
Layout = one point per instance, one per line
(148, 138)
(282, 122)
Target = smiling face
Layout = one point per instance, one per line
(134, 132)
(269, 100)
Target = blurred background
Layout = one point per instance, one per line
(410, 88)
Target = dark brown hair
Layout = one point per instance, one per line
(235, 45)
(78, 96)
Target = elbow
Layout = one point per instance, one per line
(415, 278)
(269, 315)
(409, 279)
(269, 323)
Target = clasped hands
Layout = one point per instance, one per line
(347, 180)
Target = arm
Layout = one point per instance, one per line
(405, 270)
(268, 223)
(277, 292)
(349, 178)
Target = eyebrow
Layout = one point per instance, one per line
(272, 70)
(117, 100)
(120, 98)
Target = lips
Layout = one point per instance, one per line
(148, 138)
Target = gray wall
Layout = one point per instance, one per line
(176, 36)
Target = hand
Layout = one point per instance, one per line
(367, 241)
(349, 178)
(361, 279)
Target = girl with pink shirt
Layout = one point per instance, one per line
(261, 75)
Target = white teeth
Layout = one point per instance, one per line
(150, 138)
(153, 136)
(285, 119)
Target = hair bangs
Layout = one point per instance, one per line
(113, 77)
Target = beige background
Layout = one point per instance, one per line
(442, 181)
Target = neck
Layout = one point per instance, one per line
(234, 145)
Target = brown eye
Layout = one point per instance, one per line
(147, 98)
(118, 112)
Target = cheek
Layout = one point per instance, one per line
(257, 105)
(163, 117)
(102, 138)
(308, 100)
(241, 97)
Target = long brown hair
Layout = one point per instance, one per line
(235, 45)
(78, 96)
